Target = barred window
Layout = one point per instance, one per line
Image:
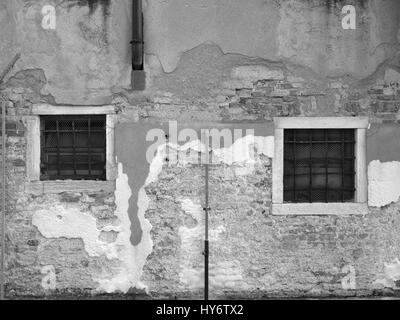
(319, 165)
(73, 147)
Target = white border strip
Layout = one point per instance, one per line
(321, 209)
(47, 109)
(321, 122)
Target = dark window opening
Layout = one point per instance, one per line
(73, 147)
(319, 165)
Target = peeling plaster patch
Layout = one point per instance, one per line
(392, 275)
(349, 281)
(62, 222)
(49, 279)
(113, 242)
(244, 153)
(132, 257)
(242, 150)
(383, 183)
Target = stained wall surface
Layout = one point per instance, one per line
(231, 66)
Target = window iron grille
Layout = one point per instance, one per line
(73, 147)
(319, 165)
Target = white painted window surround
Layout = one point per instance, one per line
(32, 122)
(359, 206)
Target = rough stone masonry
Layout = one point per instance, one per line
(142, 235)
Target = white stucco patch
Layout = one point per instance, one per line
(383, 183)
(392, 270)
(132, 257)
(245, 150)
(49, 277)
(63, 222)
(392, 274)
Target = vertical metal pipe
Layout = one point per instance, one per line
(3, 200)
(343, 163)
(326, 165)
(89, 146)
(206, 186)
(206, 211)
(294, 165)
(137, 35)
(206, 255)
(311, 168)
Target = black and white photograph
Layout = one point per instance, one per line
(207, 152)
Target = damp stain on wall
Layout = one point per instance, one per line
(95, 34)
(93, 5)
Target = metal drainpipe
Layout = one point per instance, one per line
(137, 35)
(206, 139)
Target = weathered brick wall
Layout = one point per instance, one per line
(28, 252)
(79, 243)
(259, 92)
(253, 254)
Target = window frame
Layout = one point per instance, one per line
(73, 149)
(33, 150)
(359, 206)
